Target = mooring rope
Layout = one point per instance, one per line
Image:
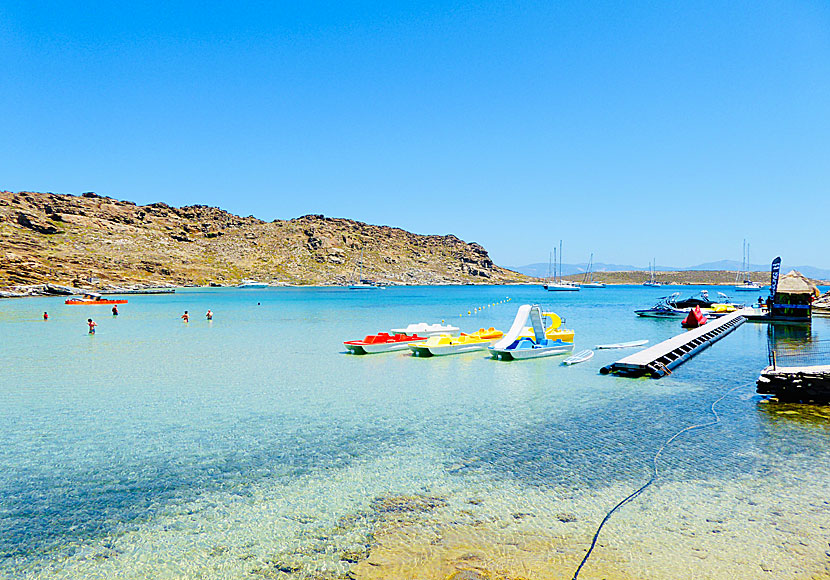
(654, 474)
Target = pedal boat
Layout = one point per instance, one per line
(424, 329)
(382, 342)
(541, 339)
(446, 344)
(93, 299)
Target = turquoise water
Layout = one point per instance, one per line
(252, 445)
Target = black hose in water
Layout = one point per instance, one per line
(654, 474)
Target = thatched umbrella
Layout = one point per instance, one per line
(794, 282)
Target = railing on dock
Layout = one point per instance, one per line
(803, 353)
(659, 360)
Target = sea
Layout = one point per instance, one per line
(253, 446)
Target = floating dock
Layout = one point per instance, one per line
(659, 360)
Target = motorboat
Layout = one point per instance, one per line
(252, 284)
(516, 345)
(445, 344)
(579, 357)
(382, 342)
(664, 308)
(424, 329)
(91, 298)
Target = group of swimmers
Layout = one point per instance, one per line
(92, 324)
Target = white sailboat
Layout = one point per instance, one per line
(358, 283)
(747, 285)
(557, 284)
(652, 275)
(588, 280)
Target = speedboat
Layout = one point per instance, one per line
(382, 342)
(424, 329)
(93, 299)
(664, 308)
(252, 284)
(549, 341)
(445, 344)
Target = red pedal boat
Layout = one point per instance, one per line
(382, 342)
(94, 299)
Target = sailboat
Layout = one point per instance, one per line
(652, 275)
(588, 279)
(557, 284)
(358, 283)
(747, 285)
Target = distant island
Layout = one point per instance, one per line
(90, 240)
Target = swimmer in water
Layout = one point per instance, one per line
(209, 314)
(91, 323)
(186, 316)
(115, 310)
(45, 316)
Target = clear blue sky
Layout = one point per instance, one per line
(630, 129)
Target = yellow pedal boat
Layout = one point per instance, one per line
(446, 344)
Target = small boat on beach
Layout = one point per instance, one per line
(629, 344)
(579, 357)
(517, 345)
(94, 299)
(424, 329)
(382, 342)
(445, 344)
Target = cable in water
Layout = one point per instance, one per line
(654, 474)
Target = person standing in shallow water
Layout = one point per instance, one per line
(186, 316)
(92, 324)
(209, 314)
(115, 310)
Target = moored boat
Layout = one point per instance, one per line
(424, 329)
(91, 298)
(381, 342)
(445, 344)
(252, 284)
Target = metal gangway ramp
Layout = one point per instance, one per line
(659, 360)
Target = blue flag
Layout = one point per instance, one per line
(773, 279)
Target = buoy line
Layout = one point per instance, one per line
(654, 474)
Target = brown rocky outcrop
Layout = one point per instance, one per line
(63, 238)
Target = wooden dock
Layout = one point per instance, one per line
(659, 360)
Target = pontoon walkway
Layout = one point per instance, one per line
(658, 360)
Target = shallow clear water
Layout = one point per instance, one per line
(253, 445)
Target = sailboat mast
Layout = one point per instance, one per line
(560, 260)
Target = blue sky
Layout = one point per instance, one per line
(629, 129)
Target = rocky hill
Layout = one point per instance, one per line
(68, 239)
